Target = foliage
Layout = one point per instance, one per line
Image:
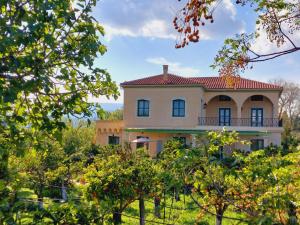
(289, 102)
(115, 115)
(118, 177)
(47, 54)
(104, 183)
(279, 19)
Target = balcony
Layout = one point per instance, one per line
(242, 122)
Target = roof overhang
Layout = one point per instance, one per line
(160, 85)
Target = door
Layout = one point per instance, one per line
(257, 117)
(159, 146)
(224, 116)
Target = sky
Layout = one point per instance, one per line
(140, 38)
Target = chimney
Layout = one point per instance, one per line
(165, 72)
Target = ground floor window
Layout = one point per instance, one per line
(142, 144)
(113, 140)
(257, 144)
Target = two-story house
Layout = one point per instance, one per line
(165, 106)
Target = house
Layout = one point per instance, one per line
(165, 106)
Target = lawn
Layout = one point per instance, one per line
(182, 213)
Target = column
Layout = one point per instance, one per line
(193, 140)
(239, 115)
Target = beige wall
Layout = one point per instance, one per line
(161, 106)
(266, 104)
(106, 128)
(241, 96)
(212, 109)
(161, 112)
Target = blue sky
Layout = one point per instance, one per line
(140, 38)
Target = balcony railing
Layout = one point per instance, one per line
(244, 122)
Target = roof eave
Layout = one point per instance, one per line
(243, 89)
(161, 85)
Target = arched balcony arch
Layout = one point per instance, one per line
(242, 109)
(220, 110)
(259, 111)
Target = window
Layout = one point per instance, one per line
(113, 140)
(257, 144)
(224, 98)
(257, 117)
(142, 144)
(178, 108)
(257, 98)
(143, 108)
(224, 117)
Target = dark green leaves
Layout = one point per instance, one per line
(47, 55)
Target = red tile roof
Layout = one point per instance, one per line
(206, 82)
(159, 80)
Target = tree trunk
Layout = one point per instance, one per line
(292, 213)
(64, 192)
(219, 217)
(177, 196)
(4, 163)
(40, 201)
(157, 207)
(164, 206)
(142, 210)
(117, 218)
(40, 196)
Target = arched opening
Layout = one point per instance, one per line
(258, 111)
(221, 110)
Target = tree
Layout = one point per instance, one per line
(213, 179)
(289, 100)
(279, 19)
(47, 70)
(40, 160)
(115, 115)
(118, 177)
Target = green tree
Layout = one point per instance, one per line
(262, 185)
(115, 115)
(118, 177)
(47, 69)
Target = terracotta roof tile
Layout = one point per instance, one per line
(206, 82)
(219, 83)
(159, 80)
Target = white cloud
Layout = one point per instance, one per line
(262, 45)
(174, 67)
(153, 29)
(153, 19)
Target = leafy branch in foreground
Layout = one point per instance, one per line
(47, 63)
(279, 19)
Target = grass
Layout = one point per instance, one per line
(175, 216)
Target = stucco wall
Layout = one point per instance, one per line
(266, 104)
(241, 96)
(106, 128)
(212, 109)
(161, 106)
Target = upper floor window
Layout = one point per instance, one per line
(143, 108)
(257, 98)
(178, 108)
(224, 98)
